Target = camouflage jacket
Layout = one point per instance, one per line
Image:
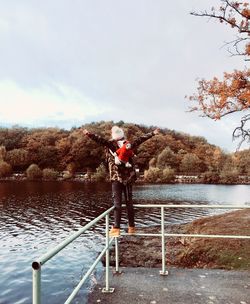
(119, 172)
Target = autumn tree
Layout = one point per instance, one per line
(229, 173)
(5, 168)
(18, 158)
(11, 137)
(53, 149)
(242, 162)
(84, 152)
(217, 98)
(148, 149)
(63, 146)
(216, 162)
(2, 152)
(40, 144)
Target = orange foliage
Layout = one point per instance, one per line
(237, 15)
(248, 49)
(217, 98)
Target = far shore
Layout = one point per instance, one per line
(81, 177)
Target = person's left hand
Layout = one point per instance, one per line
(156, 131)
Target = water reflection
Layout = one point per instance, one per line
(213, 194)
(34, 216)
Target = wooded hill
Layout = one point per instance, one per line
(176, 152)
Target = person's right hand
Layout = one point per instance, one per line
(85, 132)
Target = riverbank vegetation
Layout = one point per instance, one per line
(52, 153)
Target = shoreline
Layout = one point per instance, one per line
(138, 182)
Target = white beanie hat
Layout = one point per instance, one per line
(117, 133)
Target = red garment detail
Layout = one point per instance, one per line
(125, 152)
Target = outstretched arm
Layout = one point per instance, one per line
(97, 138)
(145, 137)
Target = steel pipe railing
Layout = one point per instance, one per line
(191, 206)
(47, 256)
(36, 265)
(107, 289)
(163, 234)
(163, 271)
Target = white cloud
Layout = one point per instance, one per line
(72, 62)
(49, 103)
(4, 25)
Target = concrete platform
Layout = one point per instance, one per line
(182, 286)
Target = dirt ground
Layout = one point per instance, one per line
(144, 251)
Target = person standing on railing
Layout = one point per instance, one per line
(122, 175)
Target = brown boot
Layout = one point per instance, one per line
(114, 232)
(131, 230)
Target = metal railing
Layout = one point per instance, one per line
(163, 234)
(36, 265)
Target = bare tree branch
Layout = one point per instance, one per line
(216, 99)
(242, 132)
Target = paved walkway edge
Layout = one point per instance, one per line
(181, 286)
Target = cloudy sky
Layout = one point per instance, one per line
(64, 63)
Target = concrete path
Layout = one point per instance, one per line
(182, 286)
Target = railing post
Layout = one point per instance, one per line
(163, 271)
(107, 289)
(36, 282)
(116, 256)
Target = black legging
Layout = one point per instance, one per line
(117, 190)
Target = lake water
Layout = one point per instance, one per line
(35, 216)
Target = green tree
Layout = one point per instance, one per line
(33, 172)
(101, 173)
(168, 175)
(152, 162)
(190, 164)
(210, 177)
(153, 175)
(229, 173)
(167, 158)
(50, 174)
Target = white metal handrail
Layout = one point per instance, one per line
(36, 265)
(192, 206)
(163, 234)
